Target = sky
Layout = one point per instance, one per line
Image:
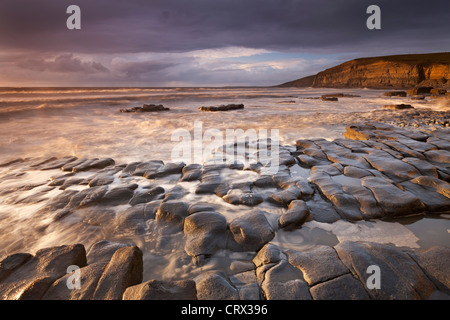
(205, 42)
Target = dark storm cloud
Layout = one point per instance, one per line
(64, 63)
(184, 25)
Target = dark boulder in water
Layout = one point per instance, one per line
(227, 107)
(146, 108)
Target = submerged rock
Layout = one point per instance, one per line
(146, 108)
(227, 107)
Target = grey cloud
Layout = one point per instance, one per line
(181, 25)
(64, 63)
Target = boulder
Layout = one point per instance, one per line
(125, 269)
(325, 98)
(102, 251)
(162, 290)
(252, 230)
(119, 195)
(395, 94)
(173, 213)
(215, 286)
(227, 107)
(398, 106)
(146, 108)
(295, 216)
(89, 277)
(28, 278)
(155, 193)
(206, 232)
(165, 170)
(419, 90)
(248, 199)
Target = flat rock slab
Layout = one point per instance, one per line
(401, 277)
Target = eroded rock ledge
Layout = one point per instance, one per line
(377, 171)
(114, 272)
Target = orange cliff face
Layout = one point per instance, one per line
(402, 71)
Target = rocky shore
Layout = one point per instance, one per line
(219, 212)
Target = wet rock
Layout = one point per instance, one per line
(198, 207)
(419, 90)
(391, 199)
(355, 172)
(146, 108)
(89, 277)
(143, 169)
(132, 220)
(284, 282)
(246, 199)
(11, 162)
(398, 106)
(206, 232)
(95, 164)
(251, 231)
(268, 254)
(11, 263)
(175, 193)
(325, 98)
(34, 275)
(215, 286)
(439, 156)
(433, 201)
(162, 290)
(210, 181)
(264, 181)
(433, 184)
(58, 164)
(119, 195)
(402, 278)
(393, 168)
(147, 196)
(57, 203)
(72, 182)
(165, 170)
(395, 94)
(101, 180)
(68, 167)
(345, 204)
(345, 287)
(317, 265)
(290, 290)
(102, 251)
(92, 196)
(321, 210)
(192, 172)
(285, 197)
(123, 270)
(227, 107)
(173, 213)
(295, 216)
(435, 262)
(425, 168)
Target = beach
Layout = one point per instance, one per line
(352, 180)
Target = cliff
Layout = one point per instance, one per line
(399, 71)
